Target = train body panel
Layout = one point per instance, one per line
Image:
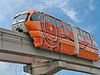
(56, 35)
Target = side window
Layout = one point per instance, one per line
(47, 18)
(94, 42)
(69, 27)
(88, 36)
(52, 21)
(79, 37)
(84, 34)
(77, 31)
(59, 23)
(41, 16)
(81, 32)
(34, 17)
(64, 25)
(91, 36)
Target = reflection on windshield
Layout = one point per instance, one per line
(20, 18)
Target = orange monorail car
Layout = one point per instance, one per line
(53, 34)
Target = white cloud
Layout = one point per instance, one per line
(64, 5)
(91, 5)
(72, 14)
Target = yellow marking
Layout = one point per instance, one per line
(51, 28)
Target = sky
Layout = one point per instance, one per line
(84, 14)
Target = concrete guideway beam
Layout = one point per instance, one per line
(42, 66)
(51, 67)
(21, 49)
(20, 43)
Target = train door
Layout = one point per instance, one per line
(86, 37)
(36, 21)
(59, 27)
(67, 40)
(67, 32)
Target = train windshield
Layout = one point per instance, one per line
(20, 18)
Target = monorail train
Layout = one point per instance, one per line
(53, 34)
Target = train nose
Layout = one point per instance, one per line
(19, 27)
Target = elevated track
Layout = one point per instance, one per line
(18, 48)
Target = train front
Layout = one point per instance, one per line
(21, 22)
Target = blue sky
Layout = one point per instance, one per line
(84, 14)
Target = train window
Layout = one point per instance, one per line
(84, 34)
(47, 18)
(80, 38)
(69, 27)
(52, 21)
(81, 32)
(58, 23)
(21, 18)
(41, 16)
(64, 25)
(34, 17)
(88, 36)
(77, 31)
(91, 37)
(94, 42)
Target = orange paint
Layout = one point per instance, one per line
(57, 38)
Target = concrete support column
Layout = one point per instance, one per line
(52, 67)
(43, 68)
